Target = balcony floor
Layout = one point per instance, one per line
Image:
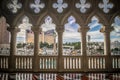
(59, 76)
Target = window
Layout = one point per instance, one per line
(71, 38)
(25, 38)
(95, 41)
(48, 38)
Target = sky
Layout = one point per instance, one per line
(72, 35)
(115, 35)
(94, 32)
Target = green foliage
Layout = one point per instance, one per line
(116, 49)
(19, 45)
(77, 45)
(45, 44)
(22, 45)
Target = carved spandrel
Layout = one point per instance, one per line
(14, 6)
(83, 6)
(60, 5)
(37, 6)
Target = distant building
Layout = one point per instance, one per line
(43, 37)
(115, 44)
(4, 34)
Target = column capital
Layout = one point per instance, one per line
(60, 28)
(83, 29)
(36, 29)
(106, 29)
(13, 29)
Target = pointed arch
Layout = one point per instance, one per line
(75, 15)
(44, 15)
(113, 17)
(102, 19)
(19, 18)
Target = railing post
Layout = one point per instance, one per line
(60, 64)
(35, 61)
(84, 60)
(13, 31)
(107, 43)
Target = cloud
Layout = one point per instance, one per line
(71, 20)
(46, 27)
(115, 36)
(117, 21)
(71, 27)
(115, 39)
(114, 33)
(68, 28)
(96, 36)
(69, 35)
(94, 31)
(95, 26)
(97, 40)
(116, 26)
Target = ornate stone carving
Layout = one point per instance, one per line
(14, 6)
(106, 6)
(60, 5)
(37, 6)
(83, 6)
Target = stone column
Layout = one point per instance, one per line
(106, 30)
(13, 31)
(36, 31)
(60, 64)
(84, 60)
(54, 45)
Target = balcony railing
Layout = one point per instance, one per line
(48, 62)
(63, 76)
(116, 62)
(96, 62)
(23, 62)
(4, 62)
(72, 62)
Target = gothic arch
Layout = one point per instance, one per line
(102, 19)
(19, 18)
(77, 17)
(44, 15)
(113, 17)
